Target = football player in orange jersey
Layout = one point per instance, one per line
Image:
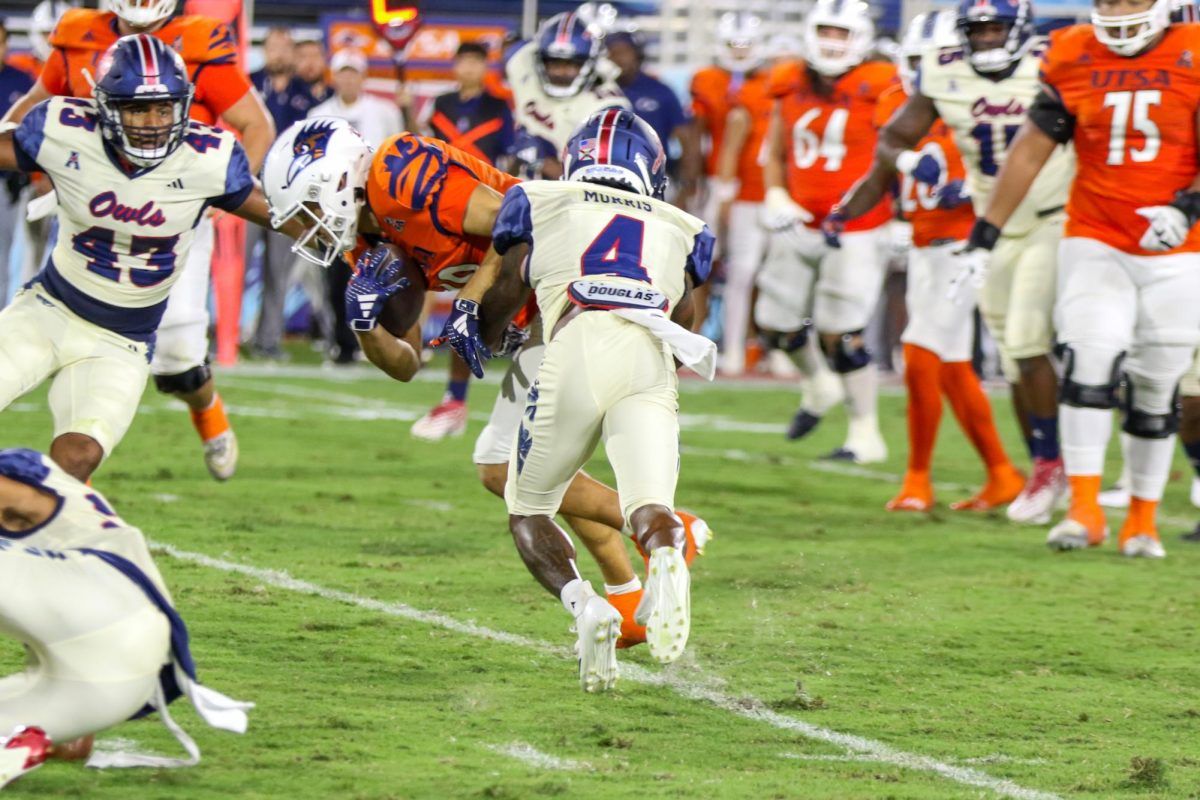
(1126, 90)
(438, 205)
(821, 139)
(222, 91)
(939, 336)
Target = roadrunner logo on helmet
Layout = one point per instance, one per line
(615, 147)
(137, 73)
(838, 35)
(1130, 34)
(566, 37)
(317, 171)
(1017, 15)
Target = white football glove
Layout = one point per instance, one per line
(972, 273)
(781, 213)
(1168, 227)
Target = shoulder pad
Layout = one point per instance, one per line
(84, 29)
(786, 78)
(200, 40)
(413, 169)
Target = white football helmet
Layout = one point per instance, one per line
(45, 16)
(833, 56)
(740, 42)
(930, 31)
(1130, 34)
(318, 169)
(142, 13)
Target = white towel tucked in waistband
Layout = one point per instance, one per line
(692, 349)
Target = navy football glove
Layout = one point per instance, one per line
(378, 276)
(953, 195)
(832, 227)
(511, 340)
(461, 331)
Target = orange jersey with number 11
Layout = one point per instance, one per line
(1135, 129)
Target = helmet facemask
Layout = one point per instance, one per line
(1130, 34)
(329, 232)
(145, 130)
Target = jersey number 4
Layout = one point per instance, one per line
(617, 250)
(1133, 109)
(830, 144)
(96, 244)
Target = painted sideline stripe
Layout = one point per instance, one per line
(747, 707)
(528, 754)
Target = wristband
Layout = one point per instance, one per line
(984, 235)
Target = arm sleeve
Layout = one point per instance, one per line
(238, 181)
(220, 86)
(54, 73)
(1050, 115)
(28, 137)
(514, 222)
(699, 261)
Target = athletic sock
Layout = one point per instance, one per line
(1193, 453)
(862, 388)
(1085, 500)
(1149, 466)
(973, 411)
(922, 375)
(1141, 518)
(1045, 437)
(211, 422)
(1085, 435)
(457, 390)
(625, 588)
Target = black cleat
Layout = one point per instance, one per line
(1194, 536)
(840, 454)
(802, 425)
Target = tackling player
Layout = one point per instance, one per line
(1125, 89)
(609, 368)
(437, 204)
(820, 141)
(83, 595)
(939, 336)
(222, 91)
(134, 177)
(982, 90)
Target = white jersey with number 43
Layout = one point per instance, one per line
(985, 116)
(124, 236)
(601, 247)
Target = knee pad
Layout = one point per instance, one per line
(1082, 395)
(183, 382)
(850, 353)
(787, 342)
(1145, 425)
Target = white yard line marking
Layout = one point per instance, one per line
(528, 754)
(992, 759)
(747, 707)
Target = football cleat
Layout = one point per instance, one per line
(1143, 545)
(221, 455)
(1071, 534)
(1192, 535)
(1045, 487)
(804, 423)
(1002, 487)
(666, 607)
(598, 626)
(860, 449)
(22, 752)
(698, 536)
(447, 418)
(916, 494)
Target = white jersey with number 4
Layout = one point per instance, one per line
(601, 247)
(985, 116)
(124, 235)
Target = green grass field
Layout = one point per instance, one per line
(836, 651)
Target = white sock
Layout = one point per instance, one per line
(1085, 433)
(1149, 462)
(1125, 476)
(821, 387)
(628, 587)
(862, 387)
(573, 595)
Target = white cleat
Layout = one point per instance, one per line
(221, 455)
(599, 627)
(448, 418)
(1143, 546)
(666, 607)
(1037, 501)
(22, 753)
(1073, 535)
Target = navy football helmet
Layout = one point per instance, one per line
(566, 37)
(616, 147)
(1017, 15)
(137, 75)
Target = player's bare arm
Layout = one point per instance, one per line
(903, 132)
(725, 184)
(8, 153)
(250, 119)
(255, 209)
(482, 208)
(506, 296)
(397, 358)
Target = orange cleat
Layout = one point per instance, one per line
(916, 493)
(1139, 534)
(1002, 487)
(627, 603)
(698, 536)
(1085, 524)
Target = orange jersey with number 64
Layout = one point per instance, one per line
(830, 136)
(918, 201)
(1134, 129)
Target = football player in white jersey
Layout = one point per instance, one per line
(608, 260)
(557, 81)
(134, 177)
(982, 90)
(83, 594)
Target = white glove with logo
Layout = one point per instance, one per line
(780, 213)
(1168, 229)
(972, 273)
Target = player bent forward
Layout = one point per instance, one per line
(82, 593)
(609, 368)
